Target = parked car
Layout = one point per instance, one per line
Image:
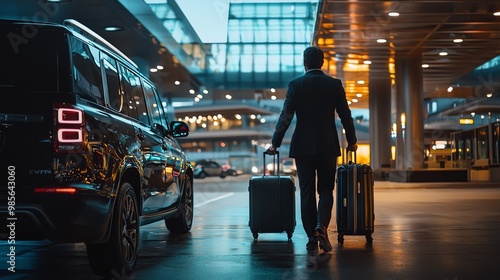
(89, 150)
(206, 168)
(288, 166)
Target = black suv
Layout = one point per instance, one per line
(86, 151)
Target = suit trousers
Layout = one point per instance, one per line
(316, 173)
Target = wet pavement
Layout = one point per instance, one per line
(422, 231)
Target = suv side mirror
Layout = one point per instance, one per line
(179, 129)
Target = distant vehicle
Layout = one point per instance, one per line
(230, 170)
(206, 168)
(288, 167)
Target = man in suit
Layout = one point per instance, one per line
(314, 98)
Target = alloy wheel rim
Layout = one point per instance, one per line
(188, 204)
(129, 229)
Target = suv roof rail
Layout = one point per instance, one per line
(87, 32)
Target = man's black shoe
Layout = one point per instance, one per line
(322, 236)
(312, 244)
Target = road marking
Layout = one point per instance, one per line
(213, 199)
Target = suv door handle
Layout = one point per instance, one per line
(140, 136)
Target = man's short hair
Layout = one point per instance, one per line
(313, 57)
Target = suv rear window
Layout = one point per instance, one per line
(87, 71)
(34, 61)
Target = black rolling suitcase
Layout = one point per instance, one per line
(272, 203)
(355, 203)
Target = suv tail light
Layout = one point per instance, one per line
(69, 116)
(68, 129)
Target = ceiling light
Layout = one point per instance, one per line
(359, 95)
(113, 28)
(443, 53)
(273, 97)
(367, 62)
(191, 91)
(228, 96)
(177, 83)
(425, 65)
(381, 40)
(360, 82)
(497, 14)
(393, 14)
(153, 70)
(450, 89)
(160, 67)
(489, 95)
(205, 91)
(458, 40)
(354, 100)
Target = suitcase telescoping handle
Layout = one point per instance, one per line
(276, 169)
(353, 156)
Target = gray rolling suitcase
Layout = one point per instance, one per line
(272, 203)
(355, 201)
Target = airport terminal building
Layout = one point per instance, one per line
(422, 82)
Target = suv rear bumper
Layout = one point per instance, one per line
(59, 218)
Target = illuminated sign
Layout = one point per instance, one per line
(466, 121)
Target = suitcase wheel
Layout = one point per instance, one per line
(289, 235)
(255, 236)
(369, 239)
(340, 239)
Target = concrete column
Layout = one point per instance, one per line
(411, 86)
(380, 118)
(399, 109)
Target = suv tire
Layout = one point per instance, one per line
(184, 220)
(118, 255)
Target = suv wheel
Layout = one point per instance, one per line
(118, 255)
(183, 221)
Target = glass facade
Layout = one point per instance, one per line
(175, 26)
(264, 45)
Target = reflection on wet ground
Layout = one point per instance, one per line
(422, 231)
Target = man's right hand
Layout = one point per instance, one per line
(352, 147)
(271, 150)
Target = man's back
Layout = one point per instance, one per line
(315, 97)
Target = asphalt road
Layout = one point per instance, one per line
(422, 231)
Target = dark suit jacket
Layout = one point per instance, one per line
(314, 98)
